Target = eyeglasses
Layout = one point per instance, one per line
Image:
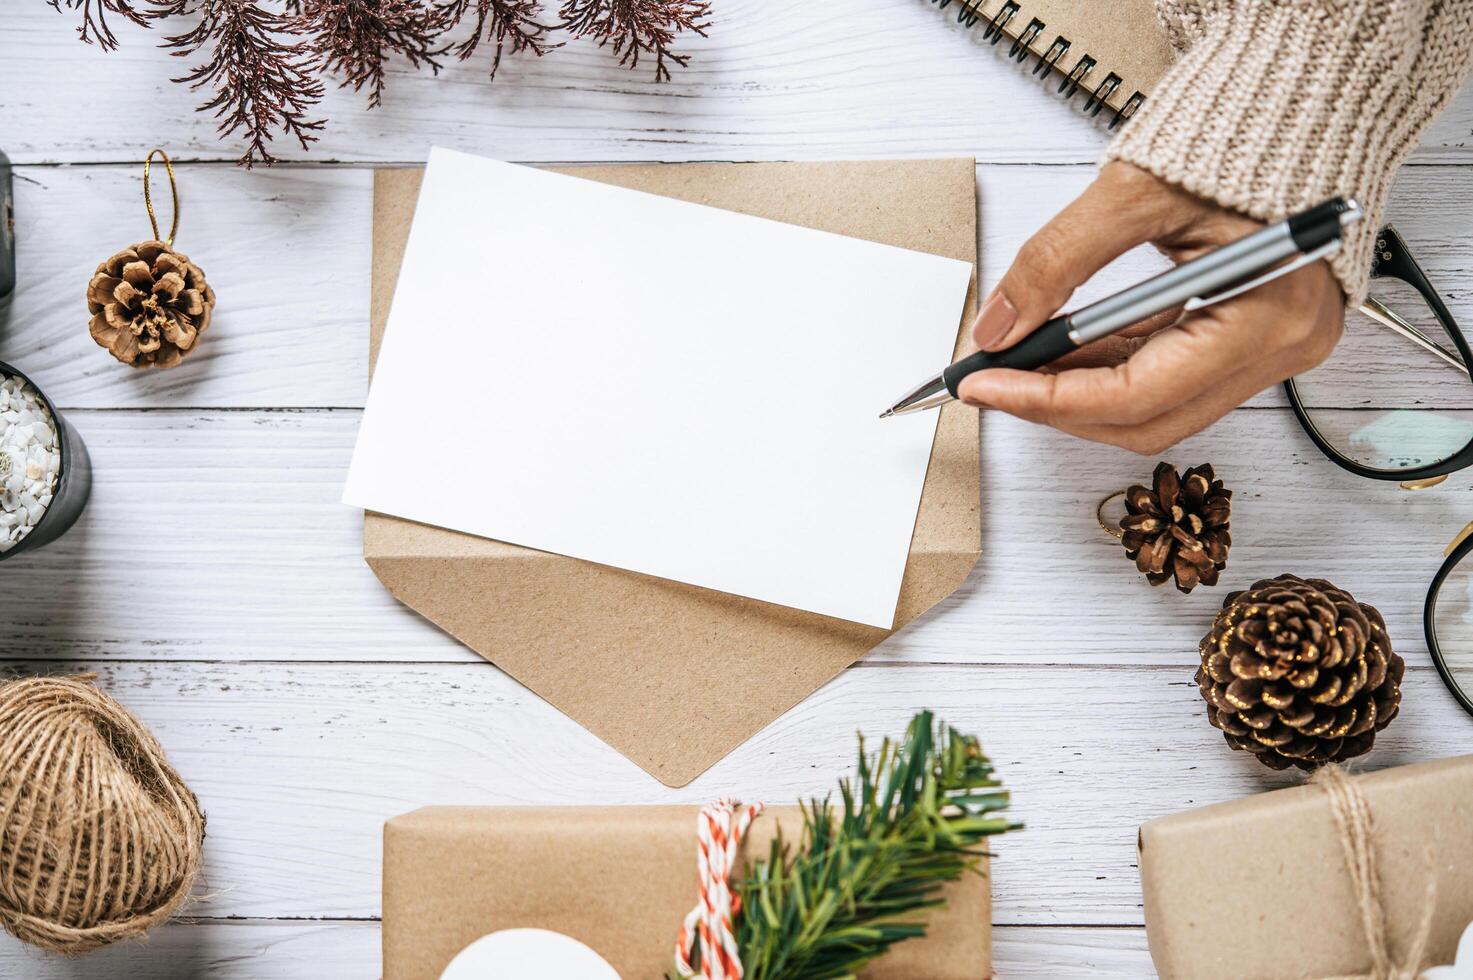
(1388, 402)
(1393, 403)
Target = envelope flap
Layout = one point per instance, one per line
(526, 610)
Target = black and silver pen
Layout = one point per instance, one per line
(1221, 274)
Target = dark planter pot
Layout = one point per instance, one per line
(7, 229)
(73, 482)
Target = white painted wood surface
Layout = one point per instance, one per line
(254, 949)
(217, 586)
(255, 496)
(298, 765)
(775, 80)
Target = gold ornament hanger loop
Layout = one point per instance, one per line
(173, 192)
(1113, 530)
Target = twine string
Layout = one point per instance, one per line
(1352, 812)
(720, 829)
(100, 839)
(173, 193)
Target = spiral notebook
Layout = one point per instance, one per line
(1111, 52)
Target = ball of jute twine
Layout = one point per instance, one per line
(100, 840)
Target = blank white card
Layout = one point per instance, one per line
(658, 386)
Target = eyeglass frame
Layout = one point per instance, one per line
(1394, 260)
(1456, 552)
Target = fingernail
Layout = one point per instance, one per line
(994, 322)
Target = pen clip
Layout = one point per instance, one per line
(1198, 302)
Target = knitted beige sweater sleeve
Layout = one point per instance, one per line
(1275, 105)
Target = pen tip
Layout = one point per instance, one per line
(887, 413)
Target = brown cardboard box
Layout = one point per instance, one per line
(616, 650)
(1257, 888)
(618, 878)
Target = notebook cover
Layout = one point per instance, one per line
(675, 676)
(1122, 36)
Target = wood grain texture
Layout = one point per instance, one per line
(218, 950)
(774, 81)
(218, 586)
(256, 949)
(261, 562)
(287, 253)
(297, 766)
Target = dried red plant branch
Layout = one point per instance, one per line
(633, 27)
(262, 83)
(264, 58)
(354, 38)
(94, 18)
(513, 25)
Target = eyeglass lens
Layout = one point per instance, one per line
(1394, 394)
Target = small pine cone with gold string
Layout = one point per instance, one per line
(1178, 526)
(149, 304)
(1299, 673)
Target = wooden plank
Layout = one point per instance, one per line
(297, 766)
(1052, 953)
(773, 81)
(219, 536)
(282, 573)
(287, 252)
(282, 950)
(217, 950)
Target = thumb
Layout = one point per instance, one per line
(1093, 230)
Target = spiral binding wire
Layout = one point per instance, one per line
(970, 14)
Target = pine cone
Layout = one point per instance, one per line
(149, 305)
(1178, 526)
(1299, 673)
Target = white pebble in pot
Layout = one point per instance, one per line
(30, 460)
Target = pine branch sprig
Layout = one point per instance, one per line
(865, 874)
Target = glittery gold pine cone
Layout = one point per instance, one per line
(1299, 673)
(149, 305)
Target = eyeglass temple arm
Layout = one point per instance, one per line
(1390, 319)
(1461, 537)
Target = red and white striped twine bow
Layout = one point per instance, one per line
(719, 832)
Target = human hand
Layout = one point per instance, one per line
(1159, 381)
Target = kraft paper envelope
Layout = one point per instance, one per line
(671, 675)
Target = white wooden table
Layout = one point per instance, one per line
(217, 587)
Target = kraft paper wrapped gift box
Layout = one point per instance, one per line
(617, 878)
(1257, 888)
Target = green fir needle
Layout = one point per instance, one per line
(868, 872)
